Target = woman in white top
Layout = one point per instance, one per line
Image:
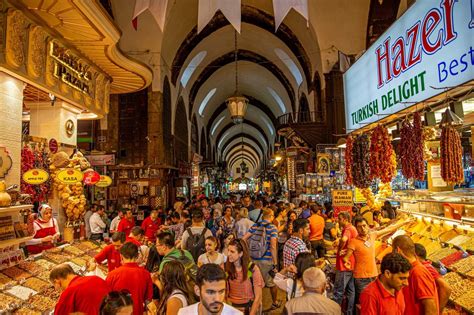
(211, 256)
(295, 289)
(244, 224)
(46, 231)
(175, 290)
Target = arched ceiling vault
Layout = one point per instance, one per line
(247, 141)
(245, 153)
(239, 136)
(238, 148)
(222, 110)
(237, 130)
(250, 15)
(237, 127)
(242, 55)
(238, 159)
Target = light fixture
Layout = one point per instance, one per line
(341, 143)
(278, 157)
(52, 98)
(237, 104)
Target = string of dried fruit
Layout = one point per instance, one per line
(451, 155)
(349, 159)
(360, 164)
(419, 164)
(411, 148)
(381, 155)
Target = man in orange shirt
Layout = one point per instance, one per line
(363, 248)
(384, 296)
(421, 295)
(316, 227)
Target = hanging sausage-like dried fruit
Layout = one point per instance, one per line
(360, 165)
(451, 155)
(411, 148)
(382, 155)
(349, 159)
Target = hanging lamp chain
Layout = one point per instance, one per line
(236, 63)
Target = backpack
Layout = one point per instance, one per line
(190, 268)
(258, 242)
(195, 243)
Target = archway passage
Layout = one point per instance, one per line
(181, 133)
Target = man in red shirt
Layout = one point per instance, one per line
(444, 289)
(131, 277)
(344, 282)
(384, 296)
(127, 223)
(111, 253)
(421, 295)
(80, 294)
(150, 226)
(135, 236)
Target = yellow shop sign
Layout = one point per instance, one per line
(104, 181)
(35, 176)
(70, 176)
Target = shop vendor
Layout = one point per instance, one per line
(46, 231)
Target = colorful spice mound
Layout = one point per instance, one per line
(383, 162)
(451, 156)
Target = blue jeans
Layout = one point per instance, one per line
(360, 285)
(344, 285)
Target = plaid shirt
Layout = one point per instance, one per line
(292, 248)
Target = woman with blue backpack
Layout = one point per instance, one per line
(244, 280)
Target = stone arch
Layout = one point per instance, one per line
(203, 145)
(304, 114)
(319, 107)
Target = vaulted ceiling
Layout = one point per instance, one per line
(275, 68)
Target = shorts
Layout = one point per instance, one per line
(265, 267)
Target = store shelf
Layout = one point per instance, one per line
(463, 221)
(16, 241)
(15, 208)
(413, 201)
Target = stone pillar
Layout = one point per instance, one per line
(156, 148)
(11, 108)
(109, 126)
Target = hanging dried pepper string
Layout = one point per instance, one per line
(451, 156)
(349, 160)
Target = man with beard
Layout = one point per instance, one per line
(384, 296)
(211, 289)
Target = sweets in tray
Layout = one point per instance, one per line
(21, 292)
(16, 273)
(26, 311)
(31, 267)
(466, 300)
(73, 250)
(8, 302)
(464, 266)
(41, 303)
(36, 284)
(442, 253)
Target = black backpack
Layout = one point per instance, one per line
(195, 243)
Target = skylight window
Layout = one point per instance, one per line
(206, 100)
(192, 67)
(289, 63)
(277, 99)
(217, 125)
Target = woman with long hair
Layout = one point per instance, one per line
(174, 288)
(225, 224)
(212, 255)
(295, 288)
(244, 282)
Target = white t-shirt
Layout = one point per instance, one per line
(204, 259)
(179, 295)
(193, 310)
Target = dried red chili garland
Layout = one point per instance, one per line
(451, 155)
(349, 160)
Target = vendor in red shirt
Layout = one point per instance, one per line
(127, 223)
(135, 236)
(421, 294)
(111, 253)
(80, 294)
(151, 225)
(444, 289)
(131, 277)
(384, 296)
(46, 231)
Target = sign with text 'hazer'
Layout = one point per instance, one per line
(431, 45)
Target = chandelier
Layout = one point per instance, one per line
(237, 104)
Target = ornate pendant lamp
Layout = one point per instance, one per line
(237, 104)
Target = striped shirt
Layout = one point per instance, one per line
(271, 232)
